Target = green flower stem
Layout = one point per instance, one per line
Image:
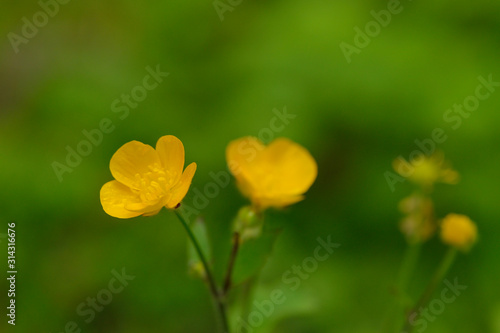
(217, 296)
(438, 276)
(407, 268)
(247, 295)
(410, 259)
(232, 260)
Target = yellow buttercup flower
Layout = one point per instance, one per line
(146, 180)
(458, 231)
(276, 175)
(427, 170)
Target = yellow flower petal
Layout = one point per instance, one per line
(292, 166)
(171, 153)
(145, 209)
(241, 155)
(276, 175)
(246, 188)
(281, 202)
(180, 190)
(115, 196)
(152, 213)
(132, 159)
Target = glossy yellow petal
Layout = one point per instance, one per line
(241, 155)
(171, 153)
(131, 161)
(276, 175)
(246, 189)
(156, 211)
(244, 162)
(180, 190)
(291, 166)
(115, 197)
(145, 208)
(279, 202)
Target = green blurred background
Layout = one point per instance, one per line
(226, 78)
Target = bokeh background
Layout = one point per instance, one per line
(226, 78)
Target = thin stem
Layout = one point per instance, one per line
(438, 276)
(232, 260)
(218, 299)
(248, 290)
(410, 259)
(407, 268)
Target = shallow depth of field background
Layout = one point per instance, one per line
(226, 77)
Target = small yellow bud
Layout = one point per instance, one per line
(459, 231)
(419, 224)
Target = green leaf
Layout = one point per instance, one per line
(195, 265)
(253, 255)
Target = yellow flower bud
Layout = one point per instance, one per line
(419, 224)
(458, 231)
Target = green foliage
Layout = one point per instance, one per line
(195, 265)
(225, 79)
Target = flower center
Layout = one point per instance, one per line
(154, 185)
(427, 172)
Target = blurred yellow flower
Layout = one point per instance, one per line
(276, 175)
(427, 170)
(418, 225)
(458, 231)
(146, 180)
